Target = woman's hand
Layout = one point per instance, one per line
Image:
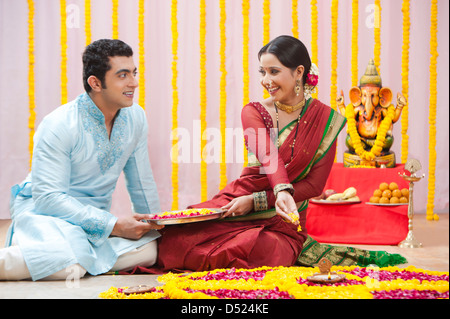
(238, 206)
(285, 205)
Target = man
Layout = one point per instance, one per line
(61, 223)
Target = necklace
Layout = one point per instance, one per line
(296, 130)
(290, 108)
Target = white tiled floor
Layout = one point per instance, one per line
(433, 256)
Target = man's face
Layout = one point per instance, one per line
(120, 82)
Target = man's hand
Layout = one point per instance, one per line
(132, 227)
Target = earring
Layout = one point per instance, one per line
(297, 88)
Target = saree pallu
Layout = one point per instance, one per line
(258, 238)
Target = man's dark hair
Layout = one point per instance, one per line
(96, 58)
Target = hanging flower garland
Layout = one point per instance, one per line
(87, 21)
(432, 113)
(381, 135)
(245, 77)
(223, 94)
(203, 166)
(314, 37)
(31, 82)
(174, 154)
(405, 76)
(141, 34)
(355, 18)
(115, 19)
(294, 12)
(266, 31)
(334, 52)
(63, 52)
(377, 32)
(292, 283)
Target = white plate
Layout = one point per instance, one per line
(381, 204)
(334, 202)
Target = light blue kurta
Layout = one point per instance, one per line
(61, 212)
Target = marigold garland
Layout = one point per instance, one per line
(266, 31)
(294, 13)
(405, 79)
(334, 52)
(334, 56)
(31, 81)
(355, 24)
(203, 166)
(377, 33)
(174, 154)
(381, 135)
(141, 36)
(292, 283)
(314, 37)
(115, 19)
(432, 112)
(87, 21)
(63, 43)
(245, 67)
(223, 94)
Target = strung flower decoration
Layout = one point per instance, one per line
(311, 81)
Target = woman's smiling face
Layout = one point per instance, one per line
(279, 80)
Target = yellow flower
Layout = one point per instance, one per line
(432, 111)
(381, 134)
(31, 87)
(174, 174)
(141, 54)
(203, 104)
(115, 19)
(87, 21)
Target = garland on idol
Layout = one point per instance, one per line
(432, 112)
(356, 139)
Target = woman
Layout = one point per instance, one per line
(284, 171)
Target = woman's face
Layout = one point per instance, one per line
(279, 80)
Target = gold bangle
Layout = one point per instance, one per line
(283, 187)
(260, 201)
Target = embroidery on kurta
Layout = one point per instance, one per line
(108, 149)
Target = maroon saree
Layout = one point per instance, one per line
(259, 238)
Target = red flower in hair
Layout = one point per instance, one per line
(312, 79)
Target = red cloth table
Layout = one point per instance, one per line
(359, 223)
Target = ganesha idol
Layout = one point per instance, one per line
(370, 117)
